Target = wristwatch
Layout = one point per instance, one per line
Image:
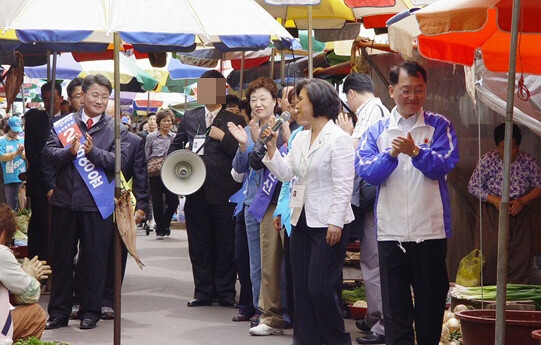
(415, 152)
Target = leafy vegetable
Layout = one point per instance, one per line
(352, 296)
(34, 341)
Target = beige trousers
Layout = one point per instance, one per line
(272, 252)
(28, 321)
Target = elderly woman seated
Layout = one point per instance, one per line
(27, 318)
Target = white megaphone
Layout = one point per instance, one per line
(183, 172)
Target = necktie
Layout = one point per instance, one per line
(89, 123)
(208, 119)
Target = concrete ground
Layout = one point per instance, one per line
(154, 307)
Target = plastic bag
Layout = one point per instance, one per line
(469, 270)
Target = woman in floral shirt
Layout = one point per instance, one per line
(525, 185)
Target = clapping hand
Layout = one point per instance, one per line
(75, 144)
(271, 144)
(255, 129)
(346, 123)
(286, 132)
(239, 134)
(20, 149)
(35, 268)
(87, 145)
(403, 145)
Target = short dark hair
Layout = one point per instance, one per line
(231, 100)
(73, 84)
(244, 104)
(99, 79)
(290, 95)
(412, 68)
(262, 82)
(8, 224)
(212, 73)
(499, 134)
(48, 86)
(358, 82)
(162, 114)
(323, 96)
(64, 102)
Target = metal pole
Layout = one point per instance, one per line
(241, 72)
(222, 64)
(22, 97)
(48, 65)
(117, 240)
(310, 47)
(185, 96)
(271, 74)
(148, 103)
(53, 87)
(503, 228)
(283, 60)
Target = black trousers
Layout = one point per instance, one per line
(164, 204)
(317, 286)
(242, 260)
(211, 242)
(290, 301)
(94, 235)
(422, 267)
(38, 227)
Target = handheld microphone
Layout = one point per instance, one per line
(279, 122)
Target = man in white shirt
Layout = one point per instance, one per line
(359, 91)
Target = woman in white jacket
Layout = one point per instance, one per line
(320, 168)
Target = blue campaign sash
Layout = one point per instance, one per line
(240, 195)
(263, 196)
(95, 179)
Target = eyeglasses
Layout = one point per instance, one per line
(102, 97)
(77, 95)
(408, 93)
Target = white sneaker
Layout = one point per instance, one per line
(159, 237)
(263, 329)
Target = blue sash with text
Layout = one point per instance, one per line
(95, 179)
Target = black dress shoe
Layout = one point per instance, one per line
(228, 303)
(240, 318)
(198, 302)
(372, 338)
(54, 323)
(361, 325)
(88, 323)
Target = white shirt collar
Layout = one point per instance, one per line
(85, 118)
(214, 113)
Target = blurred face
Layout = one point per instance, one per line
(409, 93)
(95, 100)
(152, 125)
(12, 134)
(165, 124)
(514, 150)
(46, 96)
(305, 110)
(262, 103)
(76, 98)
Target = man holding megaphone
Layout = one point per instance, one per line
(209, 214)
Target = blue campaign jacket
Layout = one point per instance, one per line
(412, 202)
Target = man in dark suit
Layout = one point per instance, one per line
(38, 184)
(78, 212)
(209, 214)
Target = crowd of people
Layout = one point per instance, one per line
(278, 206)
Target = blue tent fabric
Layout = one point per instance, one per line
(164, 39)
(60, 36)
(66, 68)
(178, 70)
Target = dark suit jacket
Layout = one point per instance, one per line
(70, 190)
(136, 168)
(218, 155)
(36, 134)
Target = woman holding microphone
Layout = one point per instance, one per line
(320, 168)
